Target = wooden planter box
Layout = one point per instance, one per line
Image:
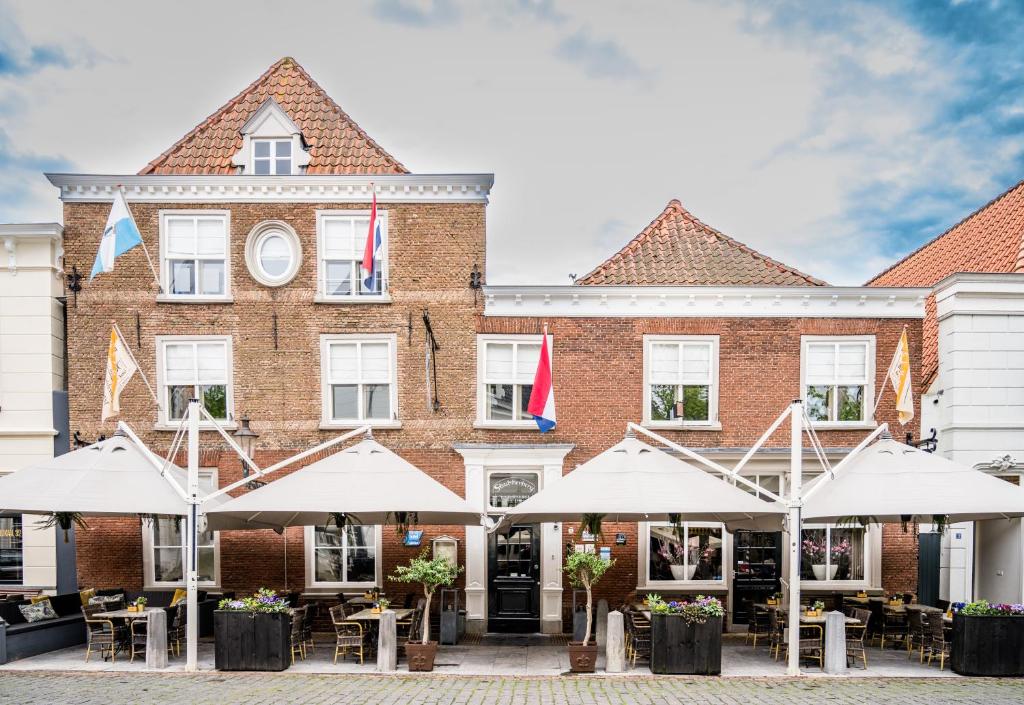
(987, 646)
(248, 641)
(678, 647)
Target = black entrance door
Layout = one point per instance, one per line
(757, 562)
(514, 580)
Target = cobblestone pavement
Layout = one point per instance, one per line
(49, 688)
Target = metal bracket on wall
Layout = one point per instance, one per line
(430, 364)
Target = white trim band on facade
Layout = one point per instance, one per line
(571, 301)
(333, 188)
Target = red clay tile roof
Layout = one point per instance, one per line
(991, 239)
(676, 248)
(337, 144)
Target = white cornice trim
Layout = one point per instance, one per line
(49, 231)
(704, 302)
(340, 188)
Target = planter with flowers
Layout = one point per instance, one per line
(988, 639)
(686, 636)
(253, 633)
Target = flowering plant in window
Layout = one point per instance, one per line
(841, 549)
(671, 552)
(698, 611)
(814, 549)
(983, 608)
(264, 600)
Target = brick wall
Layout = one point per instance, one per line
(433, 248)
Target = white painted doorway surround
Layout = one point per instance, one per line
(482, 459)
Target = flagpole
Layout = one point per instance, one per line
(145, 250)
(145, 379)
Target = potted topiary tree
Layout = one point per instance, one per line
(584, 570)
(431, 574)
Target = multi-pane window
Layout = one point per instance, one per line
(832, 553)
(687, 552)
(681, 384)
(194, 254)
(195, 368)
(167, 553)
(11, 569)
(837, 380)
(347, 555)
(342, 244)
(360, 381)
(272, 157)
(506, 378)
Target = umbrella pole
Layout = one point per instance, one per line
(796, 416)
(192, 575)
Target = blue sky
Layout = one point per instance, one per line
(833, 136)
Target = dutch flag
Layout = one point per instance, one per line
(542, 397)
(370, 254)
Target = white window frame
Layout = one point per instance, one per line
(210, 475)
(165, 273)
(321, 269)
(644, 556)
(274, 142)
(310, 551)
(535, 472)
(869, 544)
(326, 420)
(482, 341)
(711, 341)
(868, 341)
(164, 421)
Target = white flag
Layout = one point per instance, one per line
(899, 376)
(120, 369)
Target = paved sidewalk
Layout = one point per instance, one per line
(46, 688)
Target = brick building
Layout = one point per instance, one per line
(256, 221)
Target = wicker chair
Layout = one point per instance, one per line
(348, 636)
(894, 628)
(298, 647)
(855, 636)
(307, 627)
(938, 644)
(102, 634)
(915, 633)
(176, 630)
(758, 623)
(408, 629)
(776, 627)
(639, 637)
(138, 636)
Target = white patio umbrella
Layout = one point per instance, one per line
(366, 482)
(889, 481)
(634, 481)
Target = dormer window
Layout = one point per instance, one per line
(272, 157)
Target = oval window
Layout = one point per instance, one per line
(275, 255)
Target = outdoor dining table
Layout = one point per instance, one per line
(156, 631)
(371, 621)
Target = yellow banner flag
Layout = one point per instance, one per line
(120, 369)
(899, 376)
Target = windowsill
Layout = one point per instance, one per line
(203, 426)
(380, 299)
(335, 588)
(675, 426)
(179, 586)
(832, 585)
(349, 425)
(178, 299)
(684, 585)
(506, 426)
(844, 425)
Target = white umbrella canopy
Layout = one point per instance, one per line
(113, 477)
(633, 481)
(889, 480)
(367, 482)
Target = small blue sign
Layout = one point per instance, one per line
(413, 537)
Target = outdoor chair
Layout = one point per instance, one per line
(307, 627)
(894, 628)
(297, 644)
(915, 633)
(640, 637)
(101, 634)
(811, 644)
(348, 636)
(176, 630)
(942, 605)
(776, 628)
(408, 629)
(139, 635)
(758, 624)
(855, 636)
(938, 644)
